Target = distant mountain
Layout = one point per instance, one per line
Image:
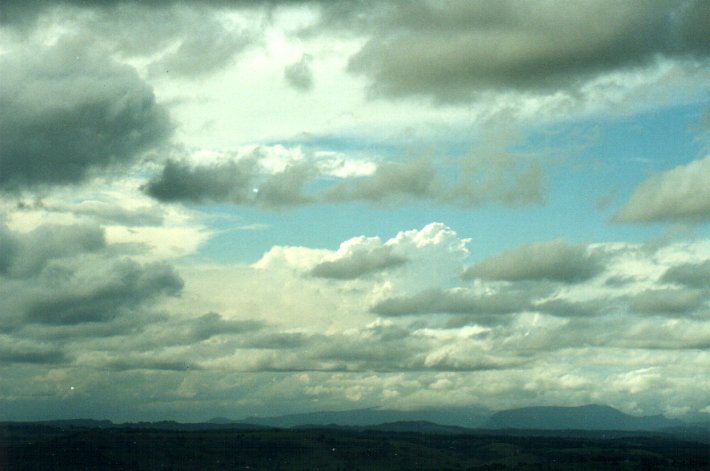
(470, 417)
(590, 417)
(76, 423)
(419, 426)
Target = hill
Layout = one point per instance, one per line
(590, 417)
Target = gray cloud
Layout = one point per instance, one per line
(286, 188)
(392, 182)
(567, 308)
(236, 181)
(453, 302)
(279, 341)
(479, 178)
(212, 324)
(31, 354)
(225, 182)
(359, 263)
(23, 255)
(299, 74)
(501, 177)
(555, 260)
(119, 288)
(207, 47)
(680, 194)
(693, 275)
(667, 301)
(132, 362)
(68, 111)
(452, 51)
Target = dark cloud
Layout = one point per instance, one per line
(555, 260)
(236, 181)
(452, 51)
(31, 355)
(224, 182)
(118, 289)
(677, 195)
(23, 255)
(693, 275)
(129, 363)
(669, 302)
(299, 74)
(359, 263)
(68, 111)
(453, 302)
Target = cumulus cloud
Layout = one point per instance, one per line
(69, 111)
(677, 195)
(555, 260)
(453, 51)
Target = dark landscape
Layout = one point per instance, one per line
(221, 444)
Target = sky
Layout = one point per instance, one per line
(235, 208)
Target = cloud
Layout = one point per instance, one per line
(677, 195)
(391, 183)
(212, 324)
(102, 294)
(359, 257)
(555, 260)
(21, 352)
(452, 51)
(299, 74)
(667, 301)
(24, 255)
(285, 189)
(223, 182)
(456, 301)
(692, 275)
(242, 182)
(68, 112)
(207, 47)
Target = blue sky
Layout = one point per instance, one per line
(245, 208)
